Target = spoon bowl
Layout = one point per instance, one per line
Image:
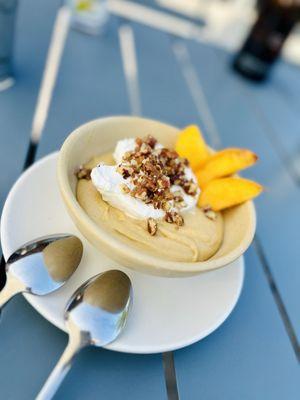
(102, 299)
(41, 266)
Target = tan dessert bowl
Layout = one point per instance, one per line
(100, 136)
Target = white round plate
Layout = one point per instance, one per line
(167, 313)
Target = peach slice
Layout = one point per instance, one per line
(191, 145)
(222, 193)
(225, 162)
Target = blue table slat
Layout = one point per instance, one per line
(239, 126)
(164, 94)
(286, 79)
(279, 112)
(31, 346)
(90, 85)
(17, 104)
(248, 357)
(113, 376)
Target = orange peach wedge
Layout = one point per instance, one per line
(224, 163)
(222, 193)
(191, 145)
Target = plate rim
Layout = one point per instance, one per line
(123, 349)
(162, 349)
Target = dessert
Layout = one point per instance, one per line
(162, 201)
(149, 195)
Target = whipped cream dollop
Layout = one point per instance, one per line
(110, 183)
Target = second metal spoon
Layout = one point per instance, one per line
(95, 315)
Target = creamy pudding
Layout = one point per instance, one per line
(148, 196)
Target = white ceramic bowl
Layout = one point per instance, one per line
(100, 136)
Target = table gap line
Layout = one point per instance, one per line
(270, 134)
(196, 91)
(53, 59)
(130, 68)
(194, 85)
(2, 272)
(277, 297)
(170, 375)
(288, 97)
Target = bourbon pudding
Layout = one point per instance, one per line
(149, 195)
(155, 198)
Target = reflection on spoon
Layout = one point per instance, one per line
(41, 266)
(61, 256)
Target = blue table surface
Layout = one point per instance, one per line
(253, 355)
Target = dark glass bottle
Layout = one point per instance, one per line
(276, 19)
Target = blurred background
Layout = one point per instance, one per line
(264, 27)
(259, 29)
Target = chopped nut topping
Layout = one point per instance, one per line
(153, 171)
(168, 217)
(124, 171)
(152, 226)
(173, 217)
(138, 142)
(166, 206)
(83, 173)
(145, 148)
(151, 141)
(178, 219)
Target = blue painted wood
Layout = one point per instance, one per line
(90, 85)
(113, 376)
(17, 104)
(278, 110)
(30, 347)
(248, 357)
(286, 79)
(164, 96)
(238, 125)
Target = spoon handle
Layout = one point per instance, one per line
(11, 288)
(60, 370)
(5, 296)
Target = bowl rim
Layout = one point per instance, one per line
(115, 244)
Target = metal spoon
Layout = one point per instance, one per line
(41, 266)
(95, 315)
